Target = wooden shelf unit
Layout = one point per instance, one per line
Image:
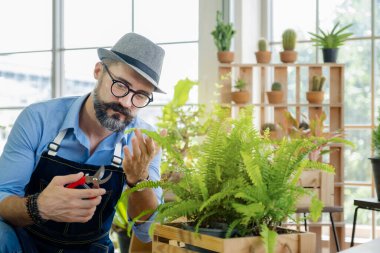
(296, 81)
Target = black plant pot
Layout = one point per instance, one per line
(124, 241)
(376, 174)
(216, 232)
(330, 55)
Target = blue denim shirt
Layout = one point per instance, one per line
(38, 124)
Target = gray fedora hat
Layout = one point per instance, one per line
(144, 56)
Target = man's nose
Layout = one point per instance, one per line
(127, 100)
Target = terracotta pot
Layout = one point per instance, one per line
(275, 97)
(263, 56)
(240, 97)
(225, 56)
(315, 97)
(288, 56)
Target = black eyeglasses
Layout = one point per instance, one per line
(119, 89)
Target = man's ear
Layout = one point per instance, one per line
(98, 70)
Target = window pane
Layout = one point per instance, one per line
(8, 118)
(24, 78)
(25, 25)
(357, 12)
(167, 20)
(79, 72)
(377, 18)
(377, 77)
(357, 165)
(181, 61)
(287, 14)
(94, 23)
(356, 55)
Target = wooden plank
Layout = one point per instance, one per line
(285, 242)
(327, 188)
(281, 76)
(225, 81)
(247, 75)
(310, 178)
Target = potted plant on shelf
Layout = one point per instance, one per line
(289, 38)
(223, 34)
(276, 95)
(376, 159)
(241, 96)
(316, 94)
(263, 55)
(242, 180)
(330, 41)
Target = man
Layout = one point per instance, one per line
(53, 145)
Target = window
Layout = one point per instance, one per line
(361, 89)
(26, 47)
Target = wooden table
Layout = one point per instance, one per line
(369, 247)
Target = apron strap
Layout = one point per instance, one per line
(56, 143)
(53, 147)
(117, 160)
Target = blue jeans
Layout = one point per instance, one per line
(9, 240)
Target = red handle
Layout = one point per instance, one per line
(81, 181)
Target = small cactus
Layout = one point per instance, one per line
(318, 82)
(276, 86)
(289, 38)
(262, 44)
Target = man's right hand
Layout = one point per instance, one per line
(61, 204)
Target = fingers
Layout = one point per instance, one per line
(85, 193)
(63, 180)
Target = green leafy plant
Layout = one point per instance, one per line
(222, 34)
(240, 178)
(240, 84)
(331, 39)
(376, 137)
(185, 125)
(317, 83)
(262, 45)
(289, 38)
(276, 86)
(270, 126)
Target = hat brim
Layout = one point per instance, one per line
(107, 54)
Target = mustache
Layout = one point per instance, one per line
(117, 108)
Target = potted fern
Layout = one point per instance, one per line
(316, 94)
(289, 39)
(330, 41)
(376, 159)
(241, 179)
(276, 95)
(263, 55)
(222, 35)
(241, 94)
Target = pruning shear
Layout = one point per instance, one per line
(96, 180)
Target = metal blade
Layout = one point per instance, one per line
(100, 173)
(105, 179)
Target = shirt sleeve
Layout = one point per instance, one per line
(18, 158)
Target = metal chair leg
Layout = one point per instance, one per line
(334, 232)
(353, 227)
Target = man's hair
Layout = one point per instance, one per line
(109, 62)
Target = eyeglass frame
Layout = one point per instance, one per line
(129, 89)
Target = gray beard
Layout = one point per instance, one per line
(113, 122)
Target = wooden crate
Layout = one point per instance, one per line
(319, 181)
(171, 239)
